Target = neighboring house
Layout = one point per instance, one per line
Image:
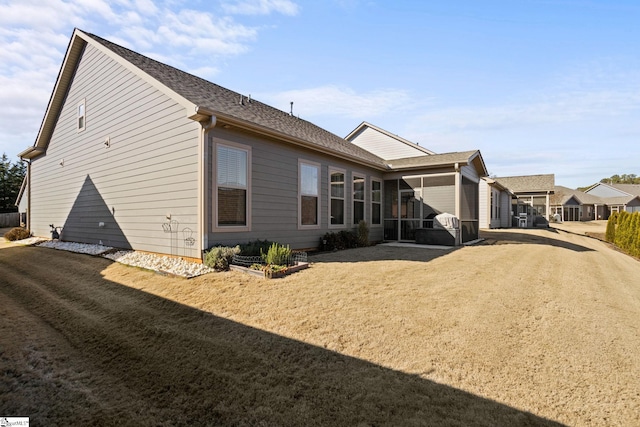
(597, 202)
(613, 190)
(495, 204)
(625, 203)
(618, 197)
(531, 205)
(133, 153)
(575, 205)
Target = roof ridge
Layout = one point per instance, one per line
(221, 100)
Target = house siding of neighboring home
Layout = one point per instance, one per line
(633, 205)
(605, 191)
(505, 209)
(484, 195)
(149, 171)
(502, 201)
(274, 192)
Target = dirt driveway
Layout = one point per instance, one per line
(533, 327)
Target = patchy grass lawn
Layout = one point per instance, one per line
(532, 327)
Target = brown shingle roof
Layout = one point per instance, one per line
(528, 183)
(563, 194)
(217, 99)
(433, 160)
(633, 189)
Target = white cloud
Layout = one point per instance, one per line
(261, 7)
(549, 134)
(340, 101)
(34, 38)
(48, 14)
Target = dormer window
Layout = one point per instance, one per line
(81, 116)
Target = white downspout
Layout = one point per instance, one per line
(458, 198)
(28, 189)
(458, 191)
(203, 180)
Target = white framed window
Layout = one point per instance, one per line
(308, 194)
(358, 197)
(81, 116)
(376, 202)
(337, 197)
(232, 187)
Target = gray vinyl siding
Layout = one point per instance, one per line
(274, 192)
(384, 146)
(149, 171)
(572, 202)
(484, 194)
(470, 173)
(633, 206)
(605, 191)
(505, 209)
(487, 221)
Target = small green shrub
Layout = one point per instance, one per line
(328, 242)
(343, 239)
(220, 257)
(633, 244)
(277, 255)
(17, 233)
(349, 239)
(610, 233)
(363, 233)
(255, 247)
(622, 230)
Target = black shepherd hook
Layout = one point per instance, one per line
(55, 235)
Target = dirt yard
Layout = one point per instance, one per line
(531, 327)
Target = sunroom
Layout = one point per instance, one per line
(421, 190)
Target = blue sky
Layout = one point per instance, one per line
(537, 86)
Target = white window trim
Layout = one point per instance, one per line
(344, 199)
(231, 228)
(82, 103)
(318, 207)
(371, 202)
(353, 200)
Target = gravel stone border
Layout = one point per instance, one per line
(162, 264)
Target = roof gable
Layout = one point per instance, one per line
(234, 108)
(201, 99)
(384, 143)
(77, 45)
(495, 184)
(602, 189)
(631, 189)
(564, 196)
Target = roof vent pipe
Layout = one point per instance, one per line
(291, 112)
